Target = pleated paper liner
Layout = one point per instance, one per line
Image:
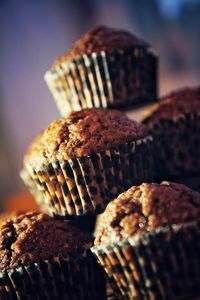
(118, 79)
(110, 293)
(86, 184)
(57, 279)
(164, 264)
(177, 144)
(84, 223)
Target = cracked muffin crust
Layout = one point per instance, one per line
(145, 208)
(80, 162)
(175, 124)
(107, 68)
(176, 104)
(101, 38)
(31, 237)
(82, 133)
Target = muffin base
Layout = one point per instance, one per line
(114, 79)
(85, 185)
(55, 279)
(164, 264)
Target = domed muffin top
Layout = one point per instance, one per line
(29, 237)
(145, 208)
(82, 133)
(101, 38)
(175, 105)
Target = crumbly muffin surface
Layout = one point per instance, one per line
(175, 105)
(82, 133)
(146, 207)
(174, 124)
(33, 236)
(7, 215)
(101, 38)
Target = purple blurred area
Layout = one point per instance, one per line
(32, 35)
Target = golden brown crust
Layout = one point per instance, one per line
(101, 38)
(147, 207)
(82, 133)
(33, 236)
(175, 105)
(7, 215)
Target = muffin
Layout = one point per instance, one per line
(105, 68)
(4, 216)
(43, 258)
(148, 242)
(83, 160)
(30, 183)
(175, 125)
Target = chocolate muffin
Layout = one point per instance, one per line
(148, 242)
(43, 258)
(85, 159)
(105, 68)
(175, 124)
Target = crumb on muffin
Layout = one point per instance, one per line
(145, 208)
(30, 237)
(101, 38)
(82, 133)
(175, 105)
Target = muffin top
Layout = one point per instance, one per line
(175, 105)
(101, 38)
(7, 215)
(30, 237)
(82, 133)
(145, 208)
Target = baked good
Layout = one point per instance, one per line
(4, 216)
(105, 68)
(175, 125)
(83, 160)
(43, 258)
(148, 242)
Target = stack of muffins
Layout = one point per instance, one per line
(96, 161)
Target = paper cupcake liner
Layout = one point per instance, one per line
(177, 146)
(85, 223)
(164, 264)
(58, 278)
(86, 184)
(118, 79)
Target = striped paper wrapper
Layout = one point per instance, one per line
(55, 279)
(117, 79)
(177, 146)
(85, 185)
(164, 264)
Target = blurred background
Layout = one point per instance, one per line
(34, 32)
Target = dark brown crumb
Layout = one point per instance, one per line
(175, 105)
(30, 237)
(145, 208)
(101, 38)
(174, 124)
(82, 133)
